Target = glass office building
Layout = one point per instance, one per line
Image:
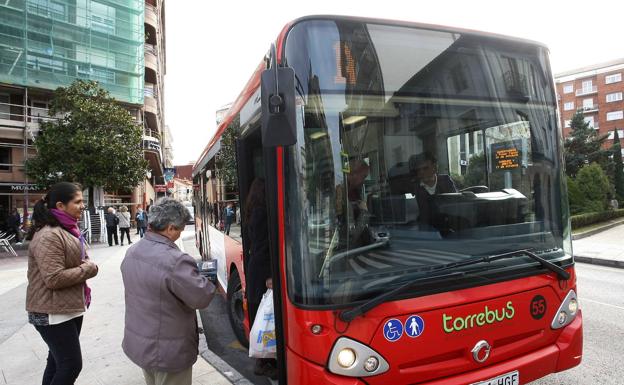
(50, 43)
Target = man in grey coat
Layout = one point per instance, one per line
(163, 289)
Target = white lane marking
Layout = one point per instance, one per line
(602, 303)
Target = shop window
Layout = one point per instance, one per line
(5, 159)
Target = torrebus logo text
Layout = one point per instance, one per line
(486, 317)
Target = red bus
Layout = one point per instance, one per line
(418, 216)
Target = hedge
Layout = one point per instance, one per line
(582, 220)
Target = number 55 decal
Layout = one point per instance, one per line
(538, 307)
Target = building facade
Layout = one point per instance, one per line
(597, 92)
(183, 189)
(46, 44)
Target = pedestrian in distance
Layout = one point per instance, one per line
(111, 226)
(58, 268)
(13, 225)
(137, 225)
(228, 216)
(123, 217)
(163, 290)
(141, 221)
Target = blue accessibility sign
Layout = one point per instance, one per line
(414, 326)
(393, 330)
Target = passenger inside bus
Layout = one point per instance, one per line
(355, 219)
(429, 184)
(258, 268)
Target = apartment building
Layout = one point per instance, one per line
(596, 91)
(46, 44)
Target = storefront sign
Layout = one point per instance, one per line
(18, 188)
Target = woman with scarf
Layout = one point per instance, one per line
(58, 268)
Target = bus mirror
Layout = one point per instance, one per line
(278, 107)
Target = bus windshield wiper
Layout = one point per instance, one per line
(349, 315)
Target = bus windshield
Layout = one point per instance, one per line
(418, 148)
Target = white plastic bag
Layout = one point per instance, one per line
(262, 343)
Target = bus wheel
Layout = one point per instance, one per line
(236, 313)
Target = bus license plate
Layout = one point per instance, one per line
(512, 378)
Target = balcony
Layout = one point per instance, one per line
(151, 15)
(587, 91)
(13, 120)
(151, 57)
(150, 92)
(589, 109)
(153, 151)
(151, 134)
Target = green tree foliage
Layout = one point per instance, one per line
(476, 172)
(618, 167)
(588, 192)
(575, 197)
(226, 160)
(95, 142)
(584, 146)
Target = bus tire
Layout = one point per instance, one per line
(236, 312)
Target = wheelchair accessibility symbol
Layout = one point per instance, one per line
(414, 326)
(393, 330)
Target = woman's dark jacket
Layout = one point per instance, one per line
(258, 269)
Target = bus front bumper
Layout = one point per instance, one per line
(564, 354)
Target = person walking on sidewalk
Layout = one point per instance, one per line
(111, 226)
(123, 217)
(141, 221)
(58, 268)
(163, 290)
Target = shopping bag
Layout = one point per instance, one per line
(262, 343)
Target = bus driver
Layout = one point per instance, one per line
(429, 184)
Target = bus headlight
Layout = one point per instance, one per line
(563, 316)
(566, 312)
(573, 306)
(346, 358)
(371, 364)
(354, 359)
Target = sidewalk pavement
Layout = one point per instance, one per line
(603, 248)
(23, 354)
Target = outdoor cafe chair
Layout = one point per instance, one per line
(5, 243)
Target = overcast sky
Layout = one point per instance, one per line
(214, 46)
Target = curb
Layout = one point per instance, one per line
(224, 368)
(600, 261)
(596, 230)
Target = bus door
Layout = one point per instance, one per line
(258, 161)
(250, 166)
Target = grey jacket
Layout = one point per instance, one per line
(163, 289)
(124, 219)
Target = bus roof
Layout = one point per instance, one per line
(254, 82)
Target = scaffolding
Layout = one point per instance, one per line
(50, 43)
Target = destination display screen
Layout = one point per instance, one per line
(506, 156)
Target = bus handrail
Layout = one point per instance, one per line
(329, 259)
